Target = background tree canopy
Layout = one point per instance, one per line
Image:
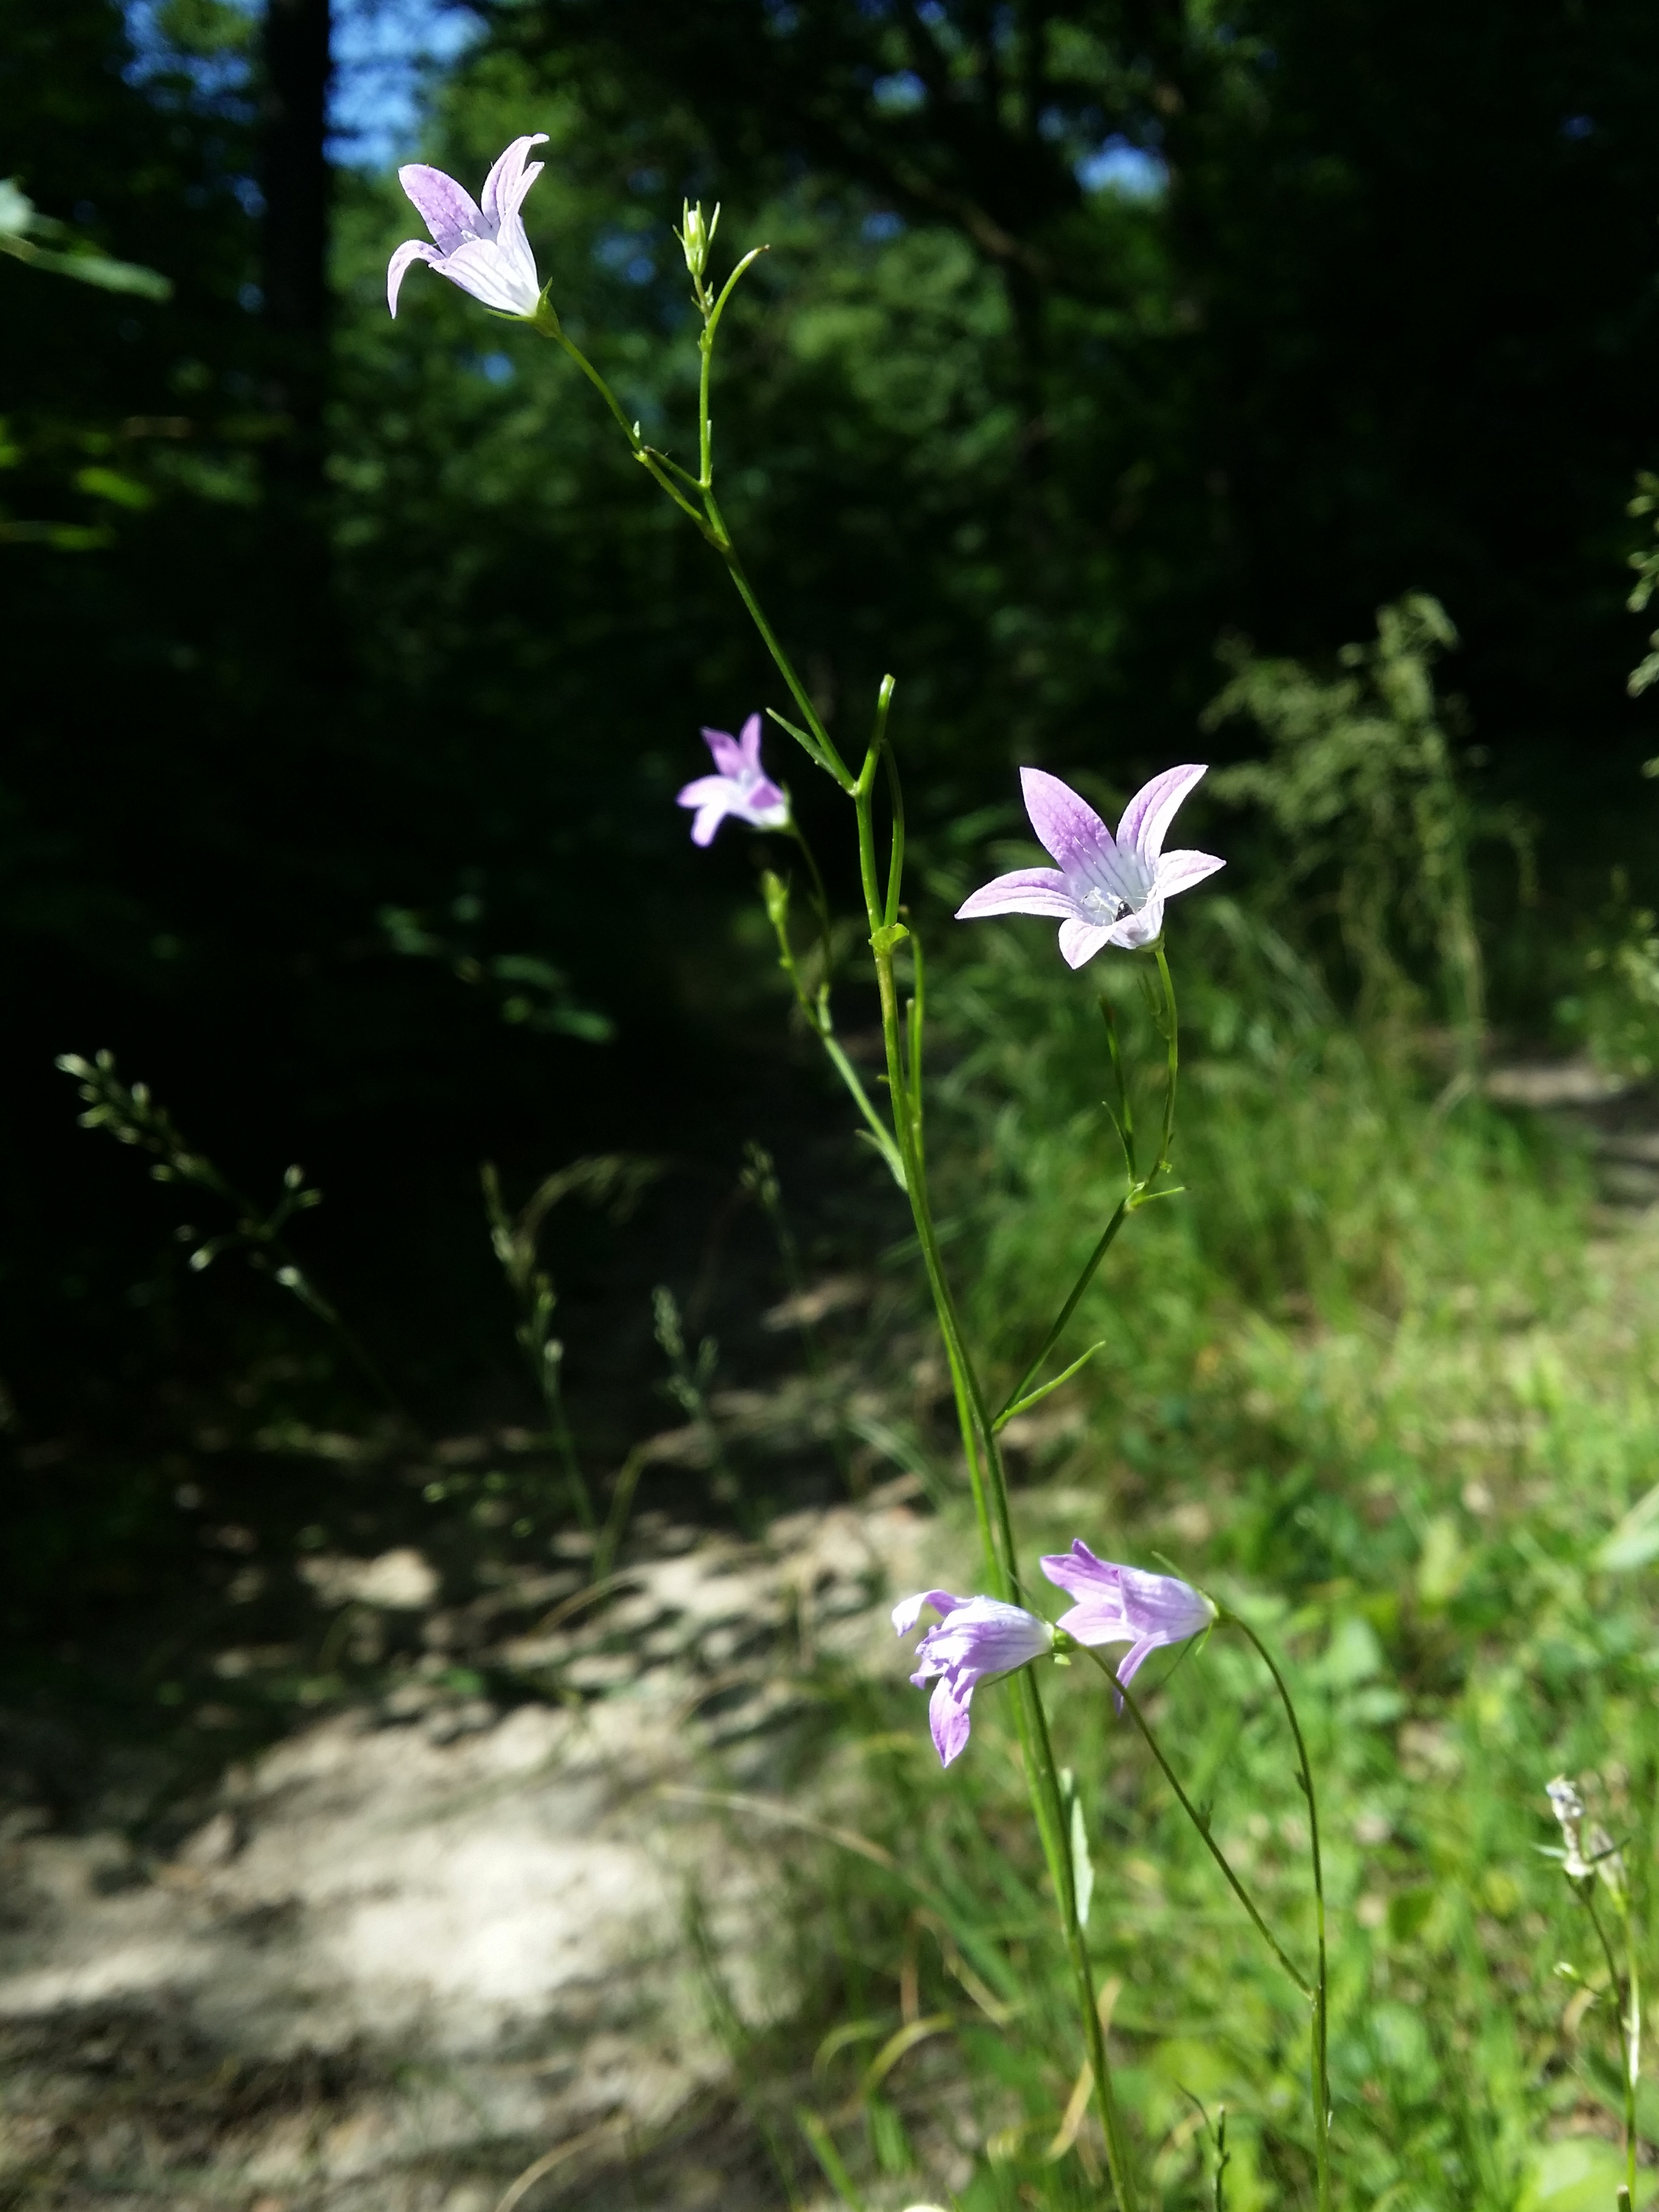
(351, 669)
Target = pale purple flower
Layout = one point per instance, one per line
(742, 786)
(1106, 890)
(482, 249)
(1122, 1605)
(976, 1637)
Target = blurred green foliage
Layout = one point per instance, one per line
(1085, 335)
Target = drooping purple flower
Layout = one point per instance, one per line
(1122, 1605)
(742, 786)
(1106, 890)
(976, 1637)
(482, 249)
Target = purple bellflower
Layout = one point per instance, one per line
(1106, 890)
(482, 249)
(741, 787)
(1122, 1605)
(976, 1637)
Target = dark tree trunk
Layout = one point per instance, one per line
(294, 593)
(296, 185)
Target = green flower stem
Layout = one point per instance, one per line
(1056, 1328)
(903, 1149)
(1043, 1781)
(548, 324)
(1140, 1193)
(895, 794)
(1199, 1822)
(815, 1006)
(1173, 1075)
(829, 758)
(820, 897)
(987, 1476)
(1630, 2027)
(1633, 2049)
(1322, 1993)
(710, 521)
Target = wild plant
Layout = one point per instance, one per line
(1362, 783)
(1109, 892)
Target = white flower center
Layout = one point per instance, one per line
(1105, 907)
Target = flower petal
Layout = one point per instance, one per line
(948, 1717)
(727, 751)
(1133, 931)
(412, 251)
(517, 258)
(1096, 1621)
(708, 820)
(1080, 1572)
(1179, 872)
(1066, 825)
(703, 790)
(1165, 1605)
(907, 1611)
(480, 266)
(448, 212)
(1024, 890)
(1079, 941)
(1147, 817)
(749, 739)
(509, 180)
(763, 805)
(985, 1636)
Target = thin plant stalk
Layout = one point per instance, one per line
(514, 1244)
(1630, 2024)
(132, 1116)
(1322, 1991)
(902, 1145)
(1314, 1991)
(1140, 1191)
(610, 1536)
(1133, 1706)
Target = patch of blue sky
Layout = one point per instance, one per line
(1121, 167)
(385, 53)
(213, 75)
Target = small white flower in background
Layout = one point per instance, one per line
(1585, 1855)
(483, 249)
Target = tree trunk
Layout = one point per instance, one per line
(297, 195)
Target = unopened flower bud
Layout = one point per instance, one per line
(696, 235)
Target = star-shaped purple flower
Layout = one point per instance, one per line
(976, 1637)
(482, 249)
(1122, 1605)
(1106, 890)
(742, 786)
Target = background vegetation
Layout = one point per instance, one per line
(1112, 366)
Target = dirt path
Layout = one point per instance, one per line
(416, 1946)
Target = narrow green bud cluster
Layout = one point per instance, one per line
(695, 235)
